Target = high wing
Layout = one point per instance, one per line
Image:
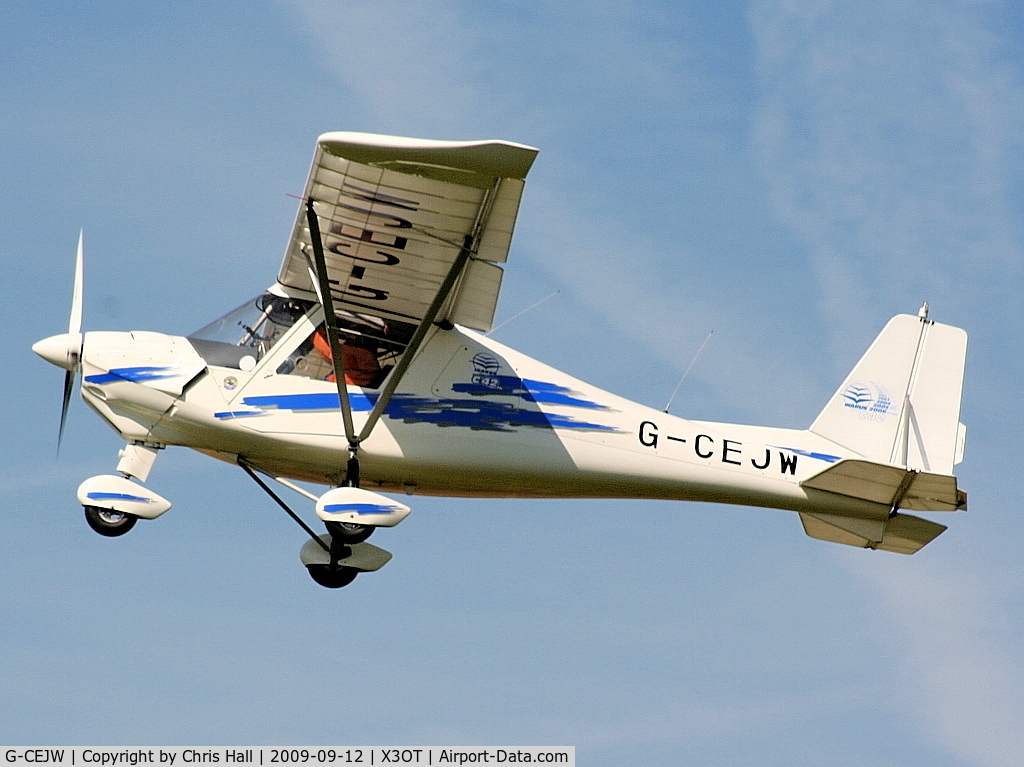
(397, 215)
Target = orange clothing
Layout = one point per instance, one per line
(361, 365)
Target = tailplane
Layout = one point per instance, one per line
(901, 404)
(901, 533)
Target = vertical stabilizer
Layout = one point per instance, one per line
(901, 403)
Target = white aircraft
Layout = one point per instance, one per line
(365, 367)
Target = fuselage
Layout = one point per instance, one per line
(471, 417)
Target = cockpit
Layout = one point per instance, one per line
(371, 346)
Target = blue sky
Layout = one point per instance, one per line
(787, 174)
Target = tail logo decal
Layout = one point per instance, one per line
(871, 400)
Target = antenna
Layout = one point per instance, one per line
(687, 371)
(517, 316)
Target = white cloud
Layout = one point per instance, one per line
(964, 681)
(886, 132)
(609, 92)
(400, 58)
(445, 67)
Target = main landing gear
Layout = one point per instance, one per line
(350, 515)
(340, 538)
(109, 522)
(332, 576)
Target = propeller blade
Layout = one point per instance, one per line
(69, 386)
(76, 340)
(75, 321)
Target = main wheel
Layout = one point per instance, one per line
(350, 532)
(109, 522)
(332, 576)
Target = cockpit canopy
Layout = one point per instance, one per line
(241, 337)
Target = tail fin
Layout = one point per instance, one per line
(901, 403)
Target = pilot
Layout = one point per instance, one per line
(361, 365)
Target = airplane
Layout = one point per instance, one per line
(366, 367)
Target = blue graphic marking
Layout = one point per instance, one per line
(530, 390)
(133, 374)
(473, 412)
(238, 413)
(361, 508)
(97, 496)
(480, 414)
(810, 454)
(311, 401)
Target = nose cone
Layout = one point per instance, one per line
(61, 350)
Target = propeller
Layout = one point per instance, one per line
(75, 342)
(65, 350)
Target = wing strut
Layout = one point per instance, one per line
(318, 274)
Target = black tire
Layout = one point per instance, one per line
(332, 576)
(350, 533)
(109, 522)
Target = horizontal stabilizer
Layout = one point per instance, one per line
(890, 485)
(902, 533)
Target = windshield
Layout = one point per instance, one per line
(242, 336)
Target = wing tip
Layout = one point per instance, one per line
(493, 157)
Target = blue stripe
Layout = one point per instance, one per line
(820, 456)
(135, 374)
(312, 401)
(361, 508)
(117, 497)
(238, 413)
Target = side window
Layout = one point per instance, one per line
(370, 349)
(307, 362)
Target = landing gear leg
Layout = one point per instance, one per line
(350, 532)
